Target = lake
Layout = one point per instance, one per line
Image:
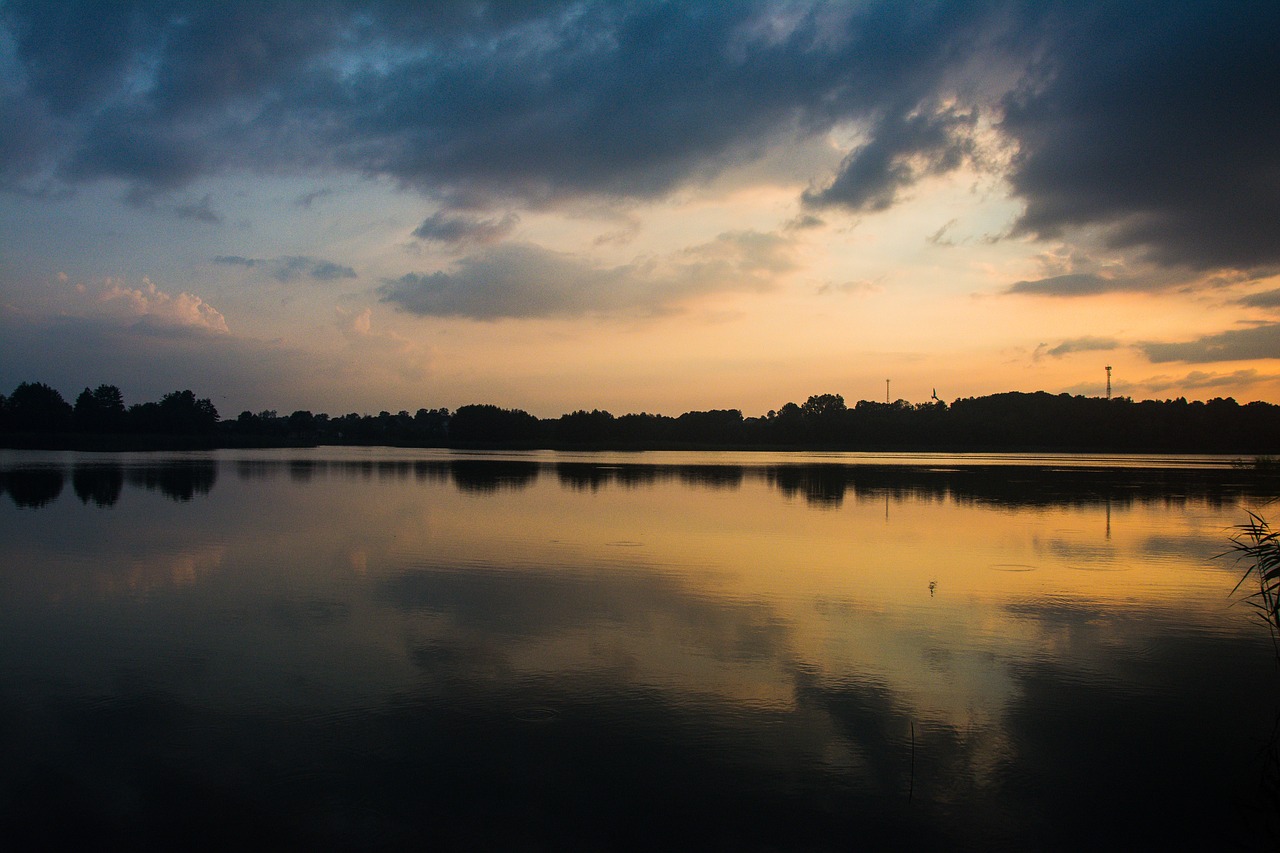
(354, 648)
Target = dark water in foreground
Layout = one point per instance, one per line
(379, 649)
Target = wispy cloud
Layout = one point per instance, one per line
(1073, 284)
(1083, 344)
(1201, 380)
(1261, 341)
(1265, 299)
(523, 280)
(291, 268)
(457, 228)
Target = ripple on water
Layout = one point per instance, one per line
(1100, 567)
(536, 715)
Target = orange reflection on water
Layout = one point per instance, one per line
(932, 597)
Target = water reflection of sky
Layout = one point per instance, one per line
(805, 641)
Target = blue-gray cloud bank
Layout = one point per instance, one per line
(1156, 123)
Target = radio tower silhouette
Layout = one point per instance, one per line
(1108, 382)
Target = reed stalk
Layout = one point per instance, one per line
(1258, 546)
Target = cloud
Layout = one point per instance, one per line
(200, 211)
(1261, 341)
(903, 149)
(1265, 299)
(145, 360)
(292, 267)
(523, 281)
(1160, 127)
(535, 100)
(1073, 284)
(1155, 126)
(939, 237)
(307, 199)
(149, 308)
(1199, 380)
(453, 228)
(237, 260)
(359, 324)
(861, 287)
(1085, 344)
(805, 222)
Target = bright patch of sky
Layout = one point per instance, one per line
(635, 207)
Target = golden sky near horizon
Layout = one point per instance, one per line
(638, 206)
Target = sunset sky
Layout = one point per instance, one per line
(638, 206)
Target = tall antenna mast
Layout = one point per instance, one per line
(886, 390)
(1108, 382)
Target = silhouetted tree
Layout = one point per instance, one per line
(181, 413)
(823, 406)
(36, 415)
(302, 424)
(824, 417)
(718, 426)
(100, 410)
(431, 426)
(585, 428)
(487, 424)
(644, 429)
(35, 407)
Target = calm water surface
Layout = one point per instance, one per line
(385, 649)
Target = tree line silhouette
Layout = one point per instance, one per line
(36, 415)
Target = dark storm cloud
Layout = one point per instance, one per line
(291, 268)
(536, 99)
(904, 149)
(521, 280)
(1155, 121)
(1262, 341)
(1160, 121)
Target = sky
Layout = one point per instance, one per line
(355, 206)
